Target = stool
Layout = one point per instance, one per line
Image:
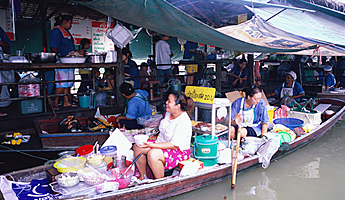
(154, 93)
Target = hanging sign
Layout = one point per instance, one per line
(7, 23)
(201, 94)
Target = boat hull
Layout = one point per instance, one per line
(168, 187)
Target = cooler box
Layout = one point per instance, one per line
(31, 106)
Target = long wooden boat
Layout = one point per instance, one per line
(171, 186)
(334, 95)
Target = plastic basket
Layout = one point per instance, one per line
(290, 123)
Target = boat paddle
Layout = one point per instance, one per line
(135, 160)
(234, 164)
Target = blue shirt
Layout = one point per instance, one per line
(133, 71)
(260, 113)
(4, 38)
(62, 44)
(138, 106)
(297, 89)
(330, 81)
(188, 46)
(236, 71)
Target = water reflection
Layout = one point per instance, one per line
(262, 190)
(310, 170)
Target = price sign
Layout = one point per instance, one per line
(201, 94)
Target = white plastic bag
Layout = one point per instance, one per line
(266, 152)
(120, 35)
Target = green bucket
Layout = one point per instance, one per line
(206, 149)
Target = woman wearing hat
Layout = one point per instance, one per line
(290, 88)
(329, 78)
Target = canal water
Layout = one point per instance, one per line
(315, 171)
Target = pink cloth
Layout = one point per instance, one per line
(174, 156)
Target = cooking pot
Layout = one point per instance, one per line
(175, 87)
(43, 57)
(95, 59)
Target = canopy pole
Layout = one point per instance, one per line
(275, 14)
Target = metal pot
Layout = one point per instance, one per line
(176, 87)
(95, 59)
(43, 57)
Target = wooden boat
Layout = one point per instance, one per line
(171, 186)
(334, 95)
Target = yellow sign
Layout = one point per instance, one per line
(192, 68)
(201, 94)
(242, 18)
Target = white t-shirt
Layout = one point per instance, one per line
(163, 54)
(177, 131)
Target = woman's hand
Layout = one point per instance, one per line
(238, 118)
(145, 145)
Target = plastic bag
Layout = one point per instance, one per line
(251, 144)
(29, 90)
(266, 152)
(281, 112)
(150, 120)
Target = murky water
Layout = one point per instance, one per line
(313, 172)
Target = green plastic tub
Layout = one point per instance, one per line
(206, 149)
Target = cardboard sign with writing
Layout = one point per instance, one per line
(232, 96)
(201, 94)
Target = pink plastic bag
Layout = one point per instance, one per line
(281, 112)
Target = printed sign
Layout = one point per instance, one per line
(81, 29)
(242, 18)
(7, 24)
(100, 42)
(201, 94)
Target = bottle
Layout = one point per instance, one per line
(92, 99)
(114, 161)
(123, 162)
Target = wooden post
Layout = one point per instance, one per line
(218, 83)
(43, 11)
(250, 69)
(119, 78)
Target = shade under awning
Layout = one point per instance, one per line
(162, 17)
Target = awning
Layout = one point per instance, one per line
(162, 17)
(257, 31)
(319, 26)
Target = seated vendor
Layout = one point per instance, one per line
(172, 145)
(249, 114)
(290, 88)
(137, 106)
(238, 75)
(329, 78)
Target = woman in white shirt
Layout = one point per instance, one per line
(172, 145)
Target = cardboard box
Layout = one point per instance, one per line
(182, 163)
(232, 96)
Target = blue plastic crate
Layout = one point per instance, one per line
(290, 123)
(30, 106)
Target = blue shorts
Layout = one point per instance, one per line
(250, 131)
(130, 124)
